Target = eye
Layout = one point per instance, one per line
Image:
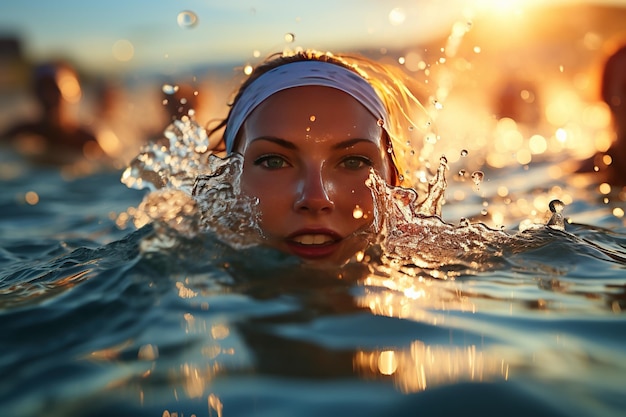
(356, 162)
(271, 162)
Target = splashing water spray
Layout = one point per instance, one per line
(193, 191)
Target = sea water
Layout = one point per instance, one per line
(147, 301)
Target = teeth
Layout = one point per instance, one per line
(313, 239)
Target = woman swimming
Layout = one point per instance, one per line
(320, 165)
(310, 128)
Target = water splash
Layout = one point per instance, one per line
(413, 237)
(194, 192)
(223, 210)
(172, 162)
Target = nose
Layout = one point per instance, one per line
(312, 195)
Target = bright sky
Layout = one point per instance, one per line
(130, 34)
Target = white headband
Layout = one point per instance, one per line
(298, 74)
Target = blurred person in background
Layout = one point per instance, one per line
(114, 120)
(611, 164)
(614, 94)
(54, 136)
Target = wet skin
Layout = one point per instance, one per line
(307, 154)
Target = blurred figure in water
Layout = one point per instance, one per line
(611, 164)
(115, 121)
(614, 94)
(55, 138)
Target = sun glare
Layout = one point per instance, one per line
(501, 7)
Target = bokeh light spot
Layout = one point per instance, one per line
(31, 198)
(123, 50)
(397, 16)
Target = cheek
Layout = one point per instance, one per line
(356, 202)
(273, 195)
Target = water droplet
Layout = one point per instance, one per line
(464, 222)
(484, 212)
(462, 172)
(431, 138)
(380, 122)
(357, 213)
(290, 37)
(464, 152)
(169, 89)
(312, 118)
(557, 221)
(187, 19)
(556, 206)
(477, 177)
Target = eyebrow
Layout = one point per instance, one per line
(290, 145)
(351, 142)
(278, 141)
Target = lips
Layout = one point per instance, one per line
(313, 244)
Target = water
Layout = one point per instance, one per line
(165, 319)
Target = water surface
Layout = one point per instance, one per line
(96, 321)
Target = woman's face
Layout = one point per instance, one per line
(307, 154)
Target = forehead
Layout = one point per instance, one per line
(315, 108)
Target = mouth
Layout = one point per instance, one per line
(313, 239)
(313, 245)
